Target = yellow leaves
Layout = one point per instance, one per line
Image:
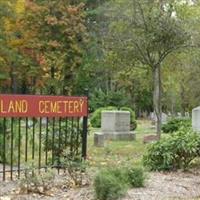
(20, 6)
(8, 25)
(2, 60)
(11, 26)
(16, 42)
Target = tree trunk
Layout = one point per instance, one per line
(52, 86)
(183, 100)
(13, 87)
(157, 97)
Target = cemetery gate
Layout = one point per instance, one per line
(41, 131)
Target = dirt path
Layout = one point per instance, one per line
(159, 186)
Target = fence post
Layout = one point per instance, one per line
(85, 129)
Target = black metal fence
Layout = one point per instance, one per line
(40, 142)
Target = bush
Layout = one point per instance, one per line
(175, 152)
(36, 183)
(96, 116)
(62, 141)
(76, 168)
(175, 124)
(111, 184)
(133, 120)
(136, 177)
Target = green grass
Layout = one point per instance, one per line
(120, 153)
(116, 153)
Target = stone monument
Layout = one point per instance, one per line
(164, 118)
(115, 125)
(196, 119)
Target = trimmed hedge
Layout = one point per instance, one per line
(95, 119)
(133, 120)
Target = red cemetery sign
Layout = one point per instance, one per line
(42, 106)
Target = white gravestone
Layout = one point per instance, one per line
(115, 121)
(115, 125)
(164, 118)
(44, 121)
(196, 119)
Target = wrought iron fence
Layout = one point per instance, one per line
(41, 142)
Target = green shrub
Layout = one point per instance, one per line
(96, 116)
(136, 177)
(174, 152)
(133, 120)
(175, 124)
(61, 140)
(109, 185)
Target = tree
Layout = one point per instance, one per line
(137, 84)
(96, 73)
(6, 13)
(54, 34)
(148, 30)
(17, 65)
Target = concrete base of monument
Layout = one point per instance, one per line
(124, 136)
(99, 137)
